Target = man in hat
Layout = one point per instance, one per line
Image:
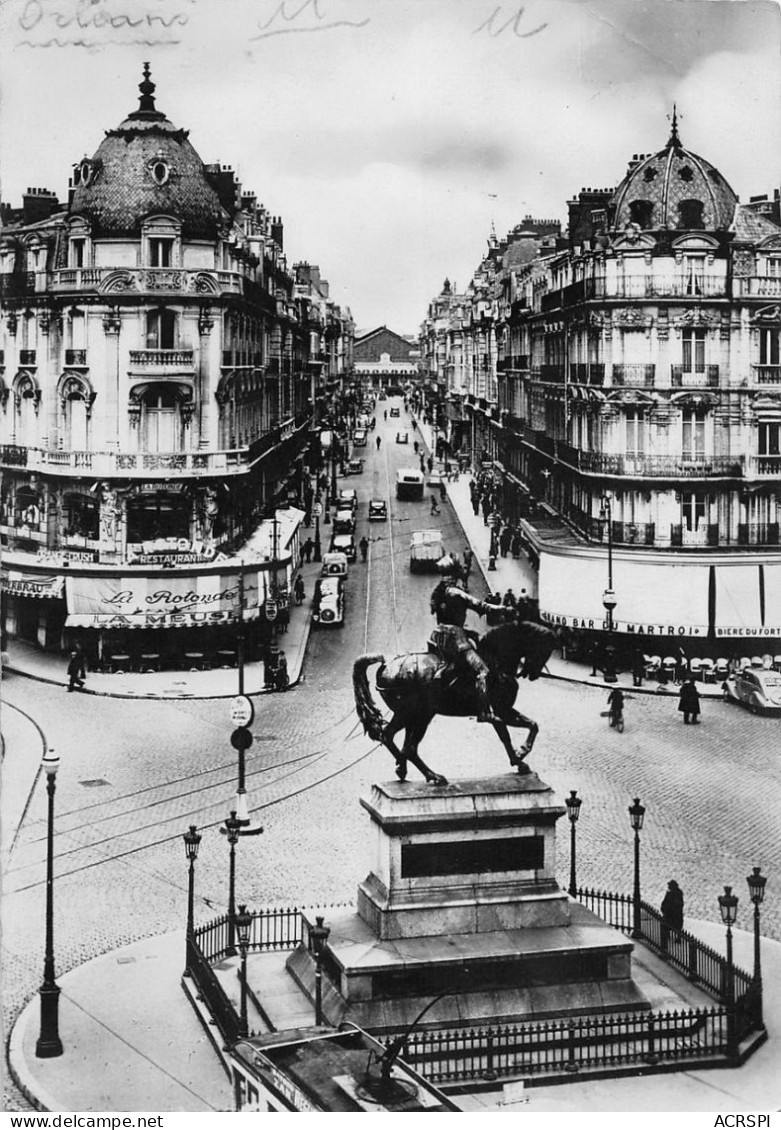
(450, 604)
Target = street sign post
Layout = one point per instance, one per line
(242, 712)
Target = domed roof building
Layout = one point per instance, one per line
(673, 189)
(146, 166)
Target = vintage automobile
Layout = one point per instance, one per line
(756, 688)
(359, 437)
(425, 550)
(328, 603)
(344, 543)
(344, 522)
(334, 565)
(378, 510)
(355, 467)
(347, 497)
(402, 437)
(394, 412)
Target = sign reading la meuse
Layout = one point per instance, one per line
(585, 623)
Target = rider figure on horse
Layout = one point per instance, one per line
(450, 640)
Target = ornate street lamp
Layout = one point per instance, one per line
(573, 803)
(608, 596)
(232, 829)
(243, 924)
(756, 888)
(636, 814)
(319, 936)
(49, 1043)
(192, 841)
(728, 905)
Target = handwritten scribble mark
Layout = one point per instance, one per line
(291, 15)
(514, 22)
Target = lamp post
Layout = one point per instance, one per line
(728, 905)
(608, 597)
(573, 803)
(231, 828)
(319, 935)
(756, 888)
(49, 1043)
(192, 841)
(636, 814)
(243, 924)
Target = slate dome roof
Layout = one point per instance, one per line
(146, 166)
(674, 189)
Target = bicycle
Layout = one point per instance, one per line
(615, 718)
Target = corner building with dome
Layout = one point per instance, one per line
(160, 375)
(627, 401)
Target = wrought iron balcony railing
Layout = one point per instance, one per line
(758, 533)
(642, 375)
(76, 357)
(707, 377)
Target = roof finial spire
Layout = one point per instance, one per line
(146, 102)
(675, 141)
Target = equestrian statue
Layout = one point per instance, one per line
(460, 675)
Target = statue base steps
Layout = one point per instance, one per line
(462, 897)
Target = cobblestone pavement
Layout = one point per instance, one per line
(134, 775)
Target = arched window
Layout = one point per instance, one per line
(161, 329)
(640, 212)
(28, 397)
(693, 433)
(76, 403)
(690, 214)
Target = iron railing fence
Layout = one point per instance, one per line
(214, 996)
(278, 928)
(606, 1041)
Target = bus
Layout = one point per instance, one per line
(410, 484)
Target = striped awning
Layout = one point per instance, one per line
(42, 586)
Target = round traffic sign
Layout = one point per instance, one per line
(241, 738)
(317, 509)
(242, 712)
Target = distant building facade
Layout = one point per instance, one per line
(160, 364)
(385, 360)
(628, 401)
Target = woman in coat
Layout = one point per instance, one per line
(689, 702)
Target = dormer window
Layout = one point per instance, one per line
(640, 212)
(160, 171)
(78, 252)
(86, 172)
(690, 214)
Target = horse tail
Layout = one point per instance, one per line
(373, 722)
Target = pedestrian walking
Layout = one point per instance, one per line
(416, 446)
(379, 443)
(485, 506)
(430, 463)
(523, 606)
(505, 538)
(385, 414)
(638, 669)
(299, 590)
(363, 545)
(515, 545)
(672, 912)
(689, 702)
(508, 600)
(434, 507)
(422, 465)
(468, 559)
(76, 671)
(281, 678)
(442, 491)
(306, 549)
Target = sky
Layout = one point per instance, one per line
(392, 135)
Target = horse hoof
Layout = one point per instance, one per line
(435, 779)
(401, 772)
(523, 769)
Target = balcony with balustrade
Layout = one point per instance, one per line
(706, 377)
(635, 376)
(765, 464)
(119, 282)
(160, 362)
(766, 374)
(757, 286)
(591, 373)
(703, 536)
(132, 465)
(651, 466)
(758, 533)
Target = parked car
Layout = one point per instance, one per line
(344, 543)
(334, 565)
(344, 522)
(757, 689)
(359, 437)
(425, 550)
(378, 510)
(347, 497)
(355, 467)
(382, 396)
(328, 602)
(402, 437)
(394, 412)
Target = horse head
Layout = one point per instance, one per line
(539, 642)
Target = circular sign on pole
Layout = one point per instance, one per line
(317, 509)
(241, 738)
(242, 712)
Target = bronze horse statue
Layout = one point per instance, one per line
(420, 685)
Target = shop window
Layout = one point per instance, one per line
(81, 515)
(161, 329)
(693, 351)
(157, 516)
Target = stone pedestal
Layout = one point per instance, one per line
(462, 900)
(466, 858)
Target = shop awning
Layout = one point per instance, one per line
(42, 586)
(171, 601)
(156, 620)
